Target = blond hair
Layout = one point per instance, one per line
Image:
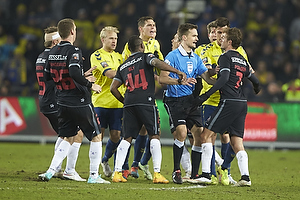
(50, 35)
(105, 30)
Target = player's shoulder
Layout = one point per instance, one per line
(44, 54)
(125, 50)
(72, 47)
(150, 55)
(199, 49)
(115, 53)
(125, 46)
(207, 48)
(98, 54)
(241, 50)
(156, 42)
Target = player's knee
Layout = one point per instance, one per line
(115, 137)
(97, 138)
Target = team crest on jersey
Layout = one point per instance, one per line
(190, 67)
(75, 56)
(151, 55)
(204, 60)
(104, 64)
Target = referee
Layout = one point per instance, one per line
(179, 98)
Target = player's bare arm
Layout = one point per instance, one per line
(114, 90)
(164, 78)
(110, 73)
(206, 76)
(164, 66)
(89, 74)
(96, 88)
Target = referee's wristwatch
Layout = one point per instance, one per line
(179, 81)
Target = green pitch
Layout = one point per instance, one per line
(274, 175)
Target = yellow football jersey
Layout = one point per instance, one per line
(210, 56)
(199, 49)
(152, 46)
(105, 61)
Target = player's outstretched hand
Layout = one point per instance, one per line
(89, 75)
(189, 82)
(181, 75)
(96, 88)
(91, 79)
(89, 72)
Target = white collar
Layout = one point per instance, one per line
(183, 51)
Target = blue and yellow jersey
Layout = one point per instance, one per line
(199, 49)
(152, 46)
(210, 56)
(105, 61)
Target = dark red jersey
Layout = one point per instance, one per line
(47, 97)
(65, 66)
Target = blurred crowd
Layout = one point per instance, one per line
(271, 31)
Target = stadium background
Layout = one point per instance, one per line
(271, 30)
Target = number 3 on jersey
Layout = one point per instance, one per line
(133, 84)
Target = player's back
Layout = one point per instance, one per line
(239, 69)
(47, 96)
(138, 76)
(60, 59)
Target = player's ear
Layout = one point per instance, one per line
(140, 29)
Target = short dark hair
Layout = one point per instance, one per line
(133, 43)
(64, 27)
(142, 21)
(222, 21)
(183, 29)
(235, 35)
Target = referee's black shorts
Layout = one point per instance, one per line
(229, 116)
(182, 111)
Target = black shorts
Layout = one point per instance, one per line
(70, 118)
(182, 111)
(52, 117)
(229, 116)
(134, 117)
